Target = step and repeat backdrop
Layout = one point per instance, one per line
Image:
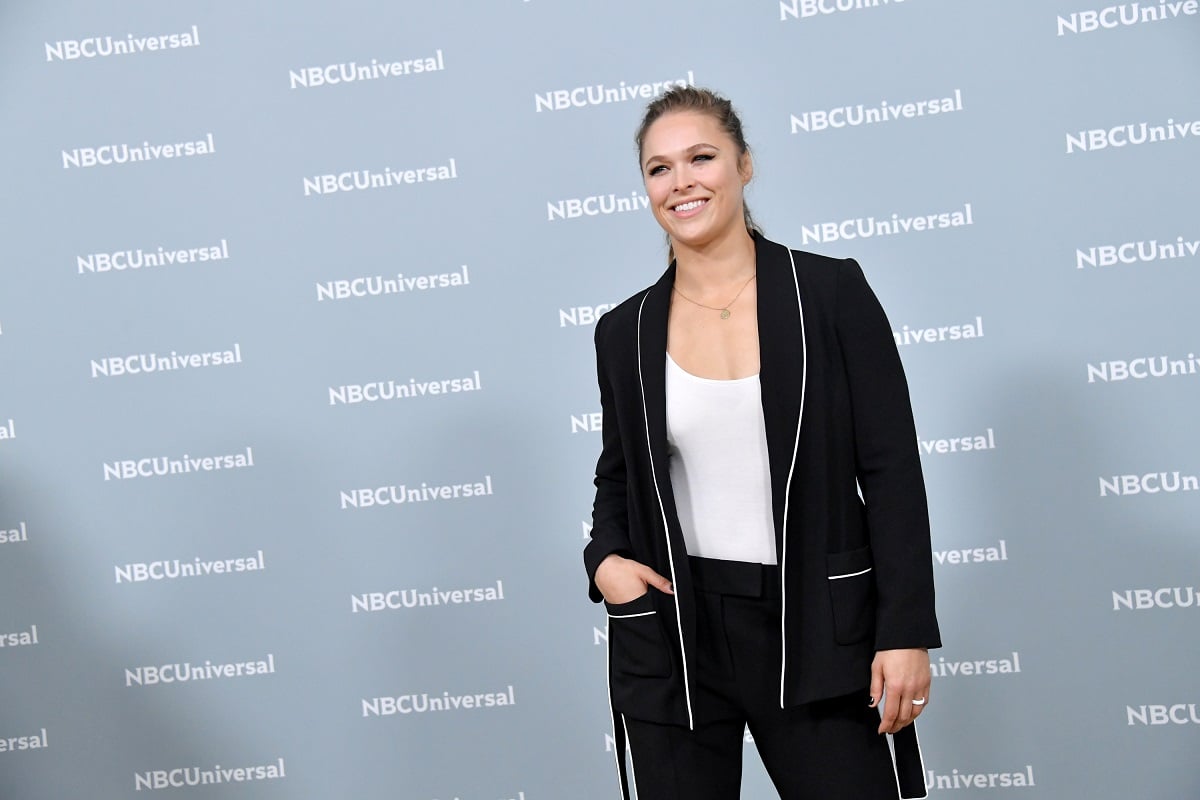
(298, 410)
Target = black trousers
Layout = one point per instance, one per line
(828, 749)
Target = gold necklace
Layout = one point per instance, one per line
(725, 312)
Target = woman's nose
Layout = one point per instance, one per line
(683, 179)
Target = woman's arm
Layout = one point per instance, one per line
(889, 468)
(889, 472)
(610, 511)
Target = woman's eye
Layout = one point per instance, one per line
(656, 170)
(704, 157)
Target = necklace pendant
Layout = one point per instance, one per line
(724, 313)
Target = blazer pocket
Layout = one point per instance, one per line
(637, 642)
(851, 594)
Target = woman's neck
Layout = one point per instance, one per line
(716, 265)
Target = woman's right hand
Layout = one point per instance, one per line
(622, 580)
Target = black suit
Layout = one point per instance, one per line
(857, 577)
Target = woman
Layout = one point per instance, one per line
(746, 397)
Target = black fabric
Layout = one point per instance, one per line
(828, 749)
(836, 374)
(910, 770)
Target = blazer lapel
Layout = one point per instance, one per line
(652, 372)
(782, 356)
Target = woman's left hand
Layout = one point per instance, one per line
(902, 679)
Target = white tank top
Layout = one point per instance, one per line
(717, 443)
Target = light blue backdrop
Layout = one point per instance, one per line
(383, 289)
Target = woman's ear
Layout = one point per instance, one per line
(746, 167)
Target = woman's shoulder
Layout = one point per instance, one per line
(629, 307)
(621, 317)
(815, 272)
(805, 259)
(624, 315)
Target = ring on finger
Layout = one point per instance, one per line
(920, 702)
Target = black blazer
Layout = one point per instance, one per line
(857, 576)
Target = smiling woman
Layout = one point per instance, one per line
(745, 396)
(703, 121)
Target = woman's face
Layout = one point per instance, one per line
(694, 176)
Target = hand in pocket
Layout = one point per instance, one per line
(621, 580)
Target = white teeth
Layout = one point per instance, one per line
(689, 206)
